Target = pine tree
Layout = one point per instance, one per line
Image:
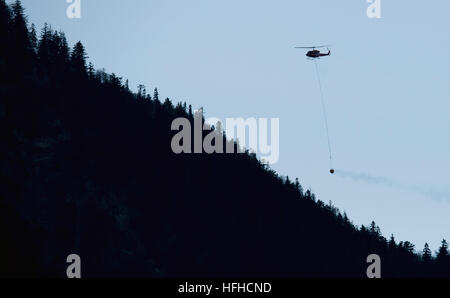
(426, 254)
(167, 105)
(298, 187)
(391, 243)
(21, 55)
(115, 81)
(91, 71)
(443, 251)
(62, 55)
(19, 27)
(44, 41)
(287, 181)
(33, 39)
(78, 59)
(5, 20)
(44, 55)
(408, 247)
(308, 194)
(374, 229)
(141, 92)
(190, 114)
(63, 46)
(156, 95)
(346, 219)
(363, 229)
(5, 26)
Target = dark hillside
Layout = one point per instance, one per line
(86, 167)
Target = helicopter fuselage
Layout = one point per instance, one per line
(317, 54)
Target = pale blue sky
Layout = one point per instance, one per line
(385, 85)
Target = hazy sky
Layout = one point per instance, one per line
(385, 87)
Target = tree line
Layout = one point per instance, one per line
(87, 168)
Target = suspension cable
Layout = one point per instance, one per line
(324, 113)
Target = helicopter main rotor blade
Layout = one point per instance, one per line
(317, 47)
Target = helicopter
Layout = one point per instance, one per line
(314, 54)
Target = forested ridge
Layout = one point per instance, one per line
(86, 167)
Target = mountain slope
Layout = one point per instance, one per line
(86, 167)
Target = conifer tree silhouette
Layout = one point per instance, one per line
(426, 253)
(443, 251)
(78, 60)
(21, 49)
(90, 169)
